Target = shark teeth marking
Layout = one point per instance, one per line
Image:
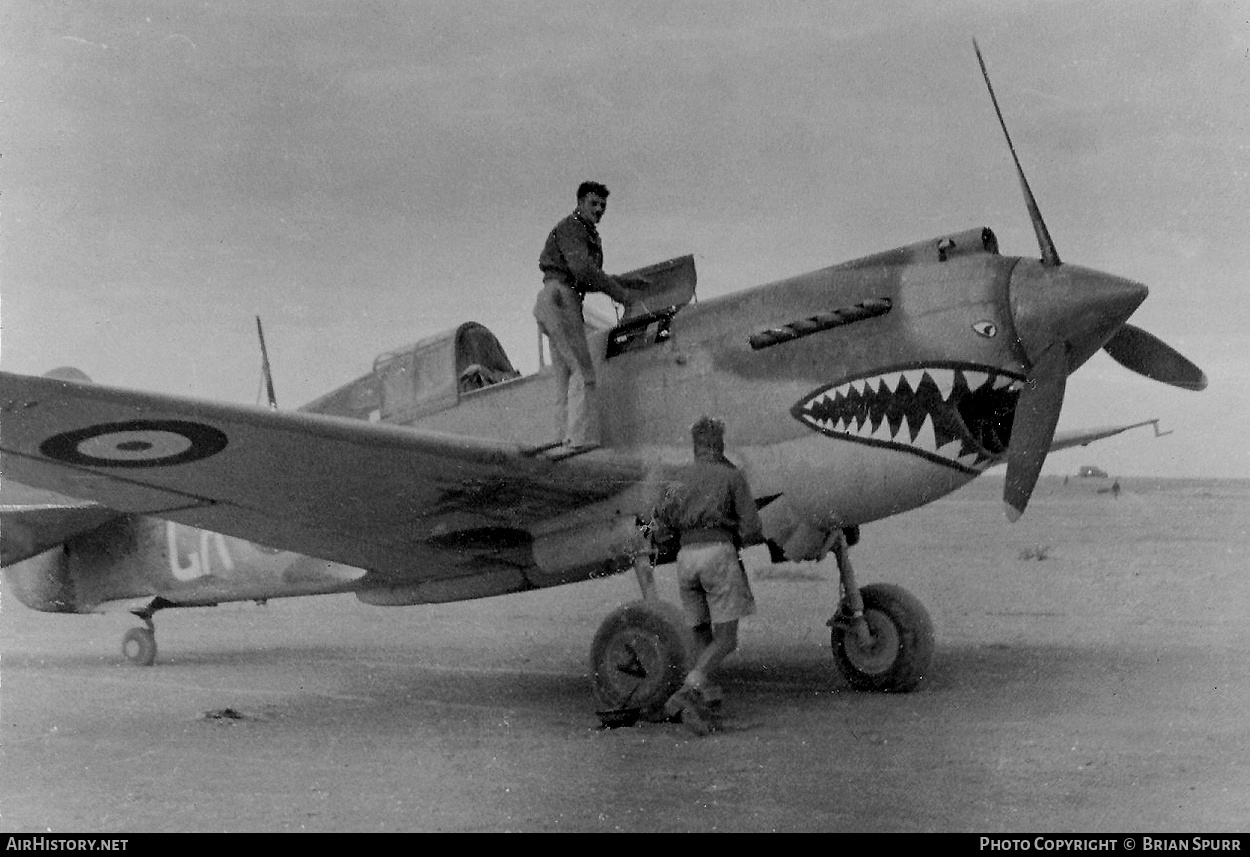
(976, 380)
(917, 410)
(925, 438)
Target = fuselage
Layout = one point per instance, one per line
(850, 394)
(865, 416)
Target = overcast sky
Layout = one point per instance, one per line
(362, 175)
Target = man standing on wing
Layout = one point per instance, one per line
(572, 265)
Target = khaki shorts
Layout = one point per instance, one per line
(713, 584)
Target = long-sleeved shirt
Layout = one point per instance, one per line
(574, 254)
(710, 501)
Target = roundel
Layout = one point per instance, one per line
(988, 329)
(137, 443)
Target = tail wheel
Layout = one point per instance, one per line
(639, 656)
(139, 647)
(897, 654)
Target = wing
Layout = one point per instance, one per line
(368, 495)
(1084, 437)
(1069, 438)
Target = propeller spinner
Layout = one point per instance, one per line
(1062, 315)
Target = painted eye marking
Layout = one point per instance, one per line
(137, 443)
(988, 329)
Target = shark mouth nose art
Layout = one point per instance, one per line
(956, 414)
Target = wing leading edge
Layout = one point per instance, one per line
(1084, 437)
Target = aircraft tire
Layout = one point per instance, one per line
(139, 647)
(902, 646)
(639, 657)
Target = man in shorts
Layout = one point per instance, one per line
(710, 507)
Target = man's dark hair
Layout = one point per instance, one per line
(708, 433)
(591, 187)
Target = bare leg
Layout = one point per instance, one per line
(702, 638)
(697, 710)
(724, 642)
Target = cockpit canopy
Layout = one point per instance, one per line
(433, 374)
(422, 378)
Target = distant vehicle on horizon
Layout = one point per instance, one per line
(1091, 470)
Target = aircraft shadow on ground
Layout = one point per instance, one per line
(962, 667)
(385, 681)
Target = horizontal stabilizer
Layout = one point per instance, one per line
(33, 521)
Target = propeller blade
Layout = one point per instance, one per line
(1033, 428)
(1147, 354)
(1050, 256)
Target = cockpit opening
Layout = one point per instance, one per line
(428, 376)
(647, 318)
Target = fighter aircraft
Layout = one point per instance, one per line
(854, 392)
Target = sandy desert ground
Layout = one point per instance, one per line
(1092, 674)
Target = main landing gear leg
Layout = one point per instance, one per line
(881, 635)
(851, 602)
(139, 644)
(644, 569)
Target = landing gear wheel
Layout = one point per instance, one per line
(139, 646)
(639, 657)
(897, 656)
